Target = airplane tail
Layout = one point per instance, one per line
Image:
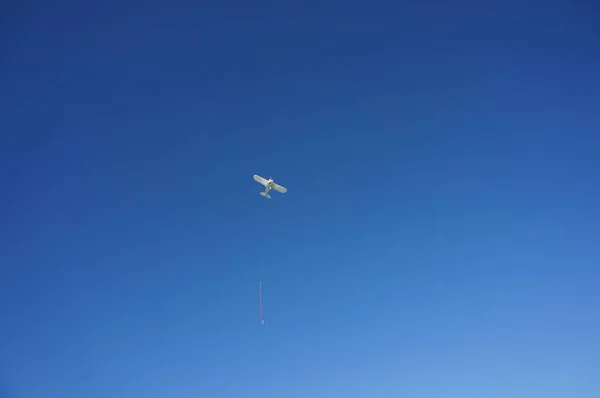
(266, 195)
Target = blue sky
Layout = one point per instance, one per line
(439, 237)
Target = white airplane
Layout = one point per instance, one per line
(269, 184)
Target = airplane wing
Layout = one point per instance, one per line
(279, 188)
(260, 180)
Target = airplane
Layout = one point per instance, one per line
(269, 184)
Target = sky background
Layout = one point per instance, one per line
(440, 236)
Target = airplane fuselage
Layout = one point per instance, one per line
(269, 185)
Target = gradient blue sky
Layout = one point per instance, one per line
(440, 236)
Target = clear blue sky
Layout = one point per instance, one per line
(440, 236)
